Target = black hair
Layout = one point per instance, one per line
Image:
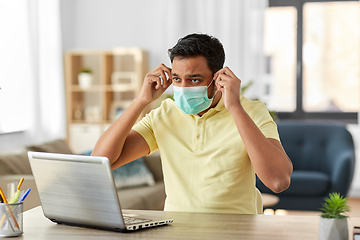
(194, 45)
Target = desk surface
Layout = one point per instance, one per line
(187, 226)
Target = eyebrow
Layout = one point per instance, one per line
(189, 76)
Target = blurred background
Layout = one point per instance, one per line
(302, 58)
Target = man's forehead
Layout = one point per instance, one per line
(196, 66)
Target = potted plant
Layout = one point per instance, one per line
(333, 221)
(85, 78)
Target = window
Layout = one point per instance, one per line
(15, 67)
(314, 52)
(280, 49)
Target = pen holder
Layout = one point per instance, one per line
(11, 219)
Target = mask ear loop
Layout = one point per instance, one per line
(215, 87)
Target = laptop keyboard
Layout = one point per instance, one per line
(132, 220)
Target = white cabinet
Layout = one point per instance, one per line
(83, 137)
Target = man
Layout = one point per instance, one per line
(212, 140)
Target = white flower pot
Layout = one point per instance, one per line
(333, 229)
(85, 80)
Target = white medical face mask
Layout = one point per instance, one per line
(192, 100)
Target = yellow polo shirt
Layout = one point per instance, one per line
(205, 164)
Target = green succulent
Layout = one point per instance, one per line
(335, 206)
(86, 70)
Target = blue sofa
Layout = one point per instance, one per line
(323, 157)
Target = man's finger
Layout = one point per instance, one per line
(223, 77)
(163, 79)
(166, 69)
(226, 71)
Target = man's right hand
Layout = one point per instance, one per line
(120, 144)
(152, 87)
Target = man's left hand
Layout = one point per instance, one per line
(229, 85)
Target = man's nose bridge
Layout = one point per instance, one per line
(184, 84)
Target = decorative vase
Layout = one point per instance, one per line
(85, 80)
(333, 229)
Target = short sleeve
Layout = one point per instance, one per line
(145, 128)
(265, 122)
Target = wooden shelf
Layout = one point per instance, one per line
(117, 77)
(120, 88)
(86, 122)
(77, 88)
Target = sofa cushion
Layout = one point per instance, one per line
(133, 174)
(55, 146)
(308, 183)
(15, 162)
(143, 198)
(5, 169)
(304, 183)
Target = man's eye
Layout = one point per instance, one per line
(175, 79)
(195, 80)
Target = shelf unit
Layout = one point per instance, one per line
(117, 77)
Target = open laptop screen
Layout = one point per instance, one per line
(77, 189)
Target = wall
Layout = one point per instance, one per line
(92, 24)
(156, 25)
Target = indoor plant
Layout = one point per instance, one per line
(85, 78)
(333, 221)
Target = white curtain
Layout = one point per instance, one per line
(49, 116)
(14, 66)
(32, 95)
(238, 24)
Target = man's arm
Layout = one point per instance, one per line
(119, 143)
(271, 163)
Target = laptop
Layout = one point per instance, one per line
(80, 191)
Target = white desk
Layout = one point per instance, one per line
(187, 226)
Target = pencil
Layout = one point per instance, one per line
(25, 195)
(4, 216)
(19, 185)
(2, 221)
(11, 213)
(3, 196)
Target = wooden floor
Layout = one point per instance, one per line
(354, 204)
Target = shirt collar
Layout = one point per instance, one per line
(220, 105)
